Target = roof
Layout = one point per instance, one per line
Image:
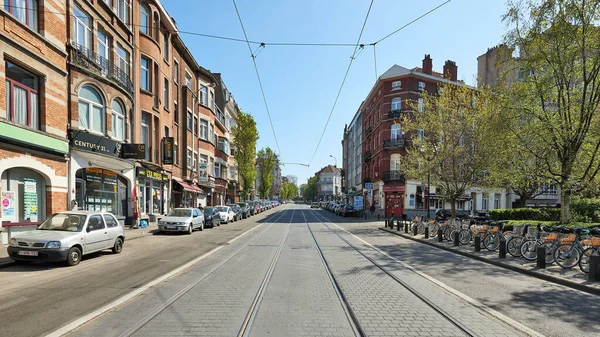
(329, 169)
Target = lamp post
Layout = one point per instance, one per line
(334, 159)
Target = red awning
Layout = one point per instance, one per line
(190, 188)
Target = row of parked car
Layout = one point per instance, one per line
(344, 210)
(67, 236)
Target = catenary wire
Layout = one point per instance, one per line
(343, 81)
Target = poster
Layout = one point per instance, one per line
(202, 174)
(7, 199)
(359, 203)
(30, 202)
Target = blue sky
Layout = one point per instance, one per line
(301, 83)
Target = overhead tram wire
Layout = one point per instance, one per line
(356, 47)
(262, 90)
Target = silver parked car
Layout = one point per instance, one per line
(182, 220)
(67, 236)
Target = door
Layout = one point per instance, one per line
(113, 228)
(80, 193)
(196, 220)
(97, 238)
(394, 203)
(122, 201)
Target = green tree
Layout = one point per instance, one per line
(309, 190)
(245, 136)
(265, 159)
(558, 92)
(449, 149)
(289, 190)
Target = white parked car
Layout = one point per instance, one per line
(226, 214)
(182, 220)
(67, 236)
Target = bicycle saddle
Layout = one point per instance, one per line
(595, 231)
(525, 229)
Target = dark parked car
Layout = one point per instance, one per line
(252, 205)
(237, 212)
(209, 217)
(245, 208)
(444, 214)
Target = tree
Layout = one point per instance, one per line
(245, 136)
(289, 190)
(450, 148)
(556, 98)
(265, 159)
(309, 190)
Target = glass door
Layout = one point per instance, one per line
(80, 193)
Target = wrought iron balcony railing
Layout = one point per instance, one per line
(98, 64)
(369, 129)
(394, 143)
(367, 155)
(394, 175)
(395, 114)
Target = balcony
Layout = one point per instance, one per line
(395, 114)
(394, 143)
(220, 118)
(395, 175)
(367, 155)
(97, 64)
(369, 130)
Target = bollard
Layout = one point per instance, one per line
(415, 230)
(455, 238)
(378, 217)
(406, 228)
(439, 236)
(477, 243)
(398, 225)
(541, 257)
(365, 215)
(426, 232)
(594, 268)
(502, 249)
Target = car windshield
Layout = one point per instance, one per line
(222, 209)
(180, 213)
(64, 222)
(242, 205)
(209, 211)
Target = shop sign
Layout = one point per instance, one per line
(30, 199)
(93, 143)
(8, 206)
(133, 151)
(168, 150)
(149, 174)
(359, 203)
(394, 188)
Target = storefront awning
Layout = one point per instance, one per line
(189, 188)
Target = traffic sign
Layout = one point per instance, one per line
(369, 186)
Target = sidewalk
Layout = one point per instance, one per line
(130, 234)
(573, 278)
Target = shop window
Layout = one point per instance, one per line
(118, 119)
(91, 109)
(22, 103)
(25, 193)
(101, 190)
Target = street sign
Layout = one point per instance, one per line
(422, 185)
(369, 186)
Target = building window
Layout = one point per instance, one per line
(421, 105)
(211, 133)
(156, 25)
(176, 72)
(421, 86)
(395, 162)
(82, 32)
(145, 74)
(223, 146)
(145, 136)
(91, 109)
(24, 11)
(396, 85)
(123, 60)
(188, 80)
(195, 163)
(175, 153)
(118, 119)
(396, 104)
(411, 202)
(176, 112)
(189, 158)
(103, 48)
(212, 100)
(217, 172)
(204, 129)
(166, 131)
(144, 20)
(22, 96)
(484, 201)
(166, 94)
(396, 131)
(123, 9)
(496, 201)
(166, 46)
(195, 125)
(203, 95)
(189, 120)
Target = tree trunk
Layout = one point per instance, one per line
(565, 210)
(522, 200)
(453, 208)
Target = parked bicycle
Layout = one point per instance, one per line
(593, 244)
(568, 253)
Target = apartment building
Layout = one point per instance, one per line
(34, 146)
(329, 184)
(352, 183)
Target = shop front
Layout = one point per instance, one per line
(219, 192)
(152, 192)
(99, 179)
(394, 199)
(187, 194)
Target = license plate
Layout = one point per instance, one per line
(28, 252)
(171, 227)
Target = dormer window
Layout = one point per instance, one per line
(421, 86)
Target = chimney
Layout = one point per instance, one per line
(427, 64)
(451, 71)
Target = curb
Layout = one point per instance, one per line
(549, 278)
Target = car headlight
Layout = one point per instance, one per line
(53, 244)
(13, 242)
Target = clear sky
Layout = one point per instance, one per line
(301, 83)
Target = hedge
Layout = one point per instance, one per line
(587, 210)
(539, 214)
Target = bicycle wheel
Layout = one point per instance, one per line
(448, 233)
(567, 256)
(464, 236)
(513, 246)
(529, 250)
(433, 231)
(584, 260)
(491, 242)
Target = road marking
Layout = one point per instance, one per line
(121, 300)
(457, 293)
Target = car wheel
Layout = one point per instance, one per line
(190, 229)
(118, 247)
(202, 226)
(74, 256)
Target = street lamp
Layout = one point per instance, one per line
(334, 159)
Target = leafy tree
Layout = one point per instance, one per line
(310, 190)
(245, 136)
(265, 159)
(450, 149)
(289, 190)
(557, 96)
